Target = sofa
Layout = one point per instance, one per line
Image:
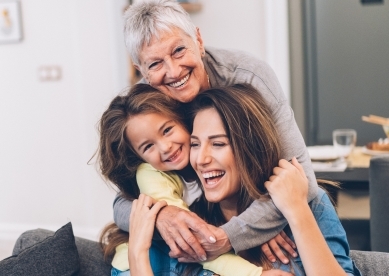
(90, 258)
(379, 203)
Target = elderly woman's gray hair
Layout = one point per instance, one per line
(148, 18)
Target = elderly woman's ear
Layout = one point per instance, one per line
(200, 41)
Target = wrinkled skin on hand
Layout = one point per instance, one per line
(184, 232)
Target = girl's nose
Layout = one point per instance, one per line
(165, 146)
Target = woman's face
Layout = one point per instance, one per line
(212, 158)
(172, 64)
(159, 141)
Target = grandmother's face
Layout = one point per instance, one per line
(172, 64)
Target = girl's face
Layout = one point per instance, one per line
(159, 140)
(212, 158)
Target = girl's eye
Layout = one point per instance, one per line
(147, 147)
(166, 130)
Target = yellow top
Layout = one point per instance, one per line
(168, 186)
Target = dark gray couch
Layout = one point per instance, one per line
(91, 258)
(90, 254)
(379, 203)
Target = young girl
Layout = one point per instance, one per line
(144, 148)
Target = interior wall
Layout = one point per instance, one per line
(48, 128)
(297, 89)
(258, 27)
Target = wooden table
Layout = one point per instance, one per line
(355, 177)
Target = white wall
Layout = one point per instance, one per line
(48, 129)
(256, 26)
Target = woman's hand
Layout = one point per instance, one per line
(184, 232)
(288, 187)
(142, 222)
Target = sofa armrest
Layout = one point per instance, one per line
(371, 262)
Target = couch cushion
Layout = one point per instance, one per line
(55, 255)
(370, 262)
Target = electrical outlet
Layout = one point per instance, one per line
(49, 73)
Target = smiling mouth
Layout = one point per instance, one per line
(174, 156)
(181, 82)
(213, 177)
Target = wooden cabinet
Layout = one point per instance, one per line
(191, 7)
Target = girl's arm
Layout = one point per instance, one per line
(288, 188)
(142, 221)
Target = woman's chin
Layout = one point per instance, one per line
(212, 198)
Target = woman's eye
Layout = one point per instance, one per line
(167, 130)
(154, 65)
(179, 51)
(219, 144)
(194, 144)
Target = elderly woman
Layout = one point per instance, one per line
(169, 52)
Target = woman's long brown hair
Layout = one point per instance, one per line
(254, 141)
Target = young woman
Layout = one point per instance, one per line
(235, 152)
(144, 148)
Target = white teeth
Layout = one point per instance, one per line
(179, 83)
(174, 156)
(213, 174)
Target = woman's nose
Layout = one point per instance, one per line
(204, 156)
(173, 70)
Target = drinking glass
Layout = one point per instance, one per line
(344, 141)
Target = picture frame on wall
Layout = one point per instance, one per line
(10, 22)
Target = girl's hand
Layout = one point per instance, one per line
(272, 248)
(288, 187)
(142, 221)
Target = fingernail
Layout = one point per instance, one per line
(203, 258)
(294, 254)
(212, 239)
(273, 260)
(285, 261)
